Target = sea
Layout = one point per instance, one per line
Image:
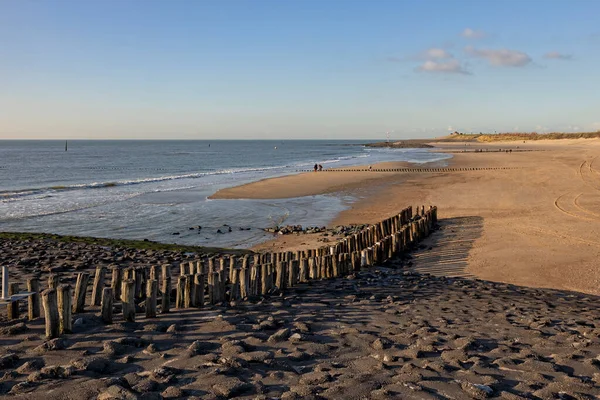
(158, 190)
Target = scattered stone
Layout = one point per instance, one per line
(315, 378)
(476, 391)
(14, 329)
(116, 392)
(231, 387)
(279, 336)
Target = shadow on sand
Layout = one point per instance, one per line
(450, 247)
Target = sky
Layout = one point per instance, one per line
(296, 69)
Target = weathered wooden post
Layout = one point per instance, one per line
(128, 300)
(334, 266)
(140, 277)
(199, 283)
(217, 296)
(280, 268)
(189, 297)
(179, 303)
(151, 294)
(33, 302)
(13, 306)
(115, 282)
(65, 308)
(166, 289)
(98, 286)
(303, 270)
(107, 305)
(182, 269)
(53, 281)
(231, 267)
(244, 282)
(234, 293)
(80, 291)
(264, 279)
(49, 301)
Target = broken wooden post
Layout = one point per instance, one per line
(49, 301)
(33, 302)
(107, 305)
(98, 286)
(80, 291)
(65, 308)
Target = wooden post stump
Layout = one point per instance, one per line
(199, 283)
(98, 286)
(13, 307)
(115, 283)
(280, 277)
(128, 300)
(53, 281)
(107, 305)
(180, 292)
(264, 279)
(166, 289)
(33, 303)
(244, 282)
(151, 294)
(49, 301)
(65, 308)
(234, 293)
(80, 291)
(188, 294)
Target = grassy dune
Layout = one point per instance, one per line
(500, 137)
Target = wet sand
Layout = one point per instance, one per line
(537, 225)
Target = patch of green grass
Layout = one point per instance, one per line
(132, 244)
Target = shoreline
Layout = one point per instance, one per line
(533, 222)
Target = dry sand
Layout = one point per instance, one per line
(536, 225)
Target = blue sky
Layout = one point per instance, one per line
(329, 69)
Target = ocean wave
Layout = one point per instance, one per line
(11, 195)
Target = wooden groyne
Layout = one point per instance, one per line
(413, 170)
(215, 280)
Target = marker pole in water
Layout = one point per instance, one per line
(5, 282)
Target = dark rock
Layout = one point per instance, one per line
(231, 387)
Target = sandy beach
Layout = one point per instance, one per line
(536, 225)
(499, 302)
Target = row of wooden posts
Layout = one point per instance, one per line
(227, 278)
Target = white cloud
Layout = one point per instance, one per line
(472, 34)
(501, 57)
(449, 67)
(436, 53)
(555, 55)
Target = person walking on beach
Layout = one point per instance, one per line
(320, 167)
(316, 166)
